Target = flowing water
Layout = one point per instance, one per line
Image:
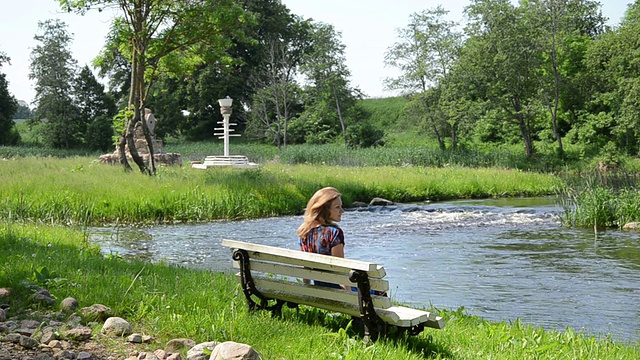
(500, 259)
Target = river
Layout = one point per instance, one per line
(500, 259)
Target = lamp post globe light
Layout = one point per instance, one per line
(225, 110)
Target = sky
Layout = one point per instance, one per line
(368, 29)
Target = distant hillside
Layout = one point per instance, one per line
(384, 112)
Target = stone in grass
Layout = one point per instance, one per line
(116, 326)
(198, 352)
(96, 312)
(78, 334)
(135, 338)
(69, 305)
(28, 342)
(233, 350)
(175, 345)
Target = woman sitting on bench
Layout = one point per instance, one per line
(319, 232)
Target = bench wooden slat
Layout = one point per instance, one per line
(343, 302)
(306, 273)
(296, 257)
(278, 286)
(404, 316)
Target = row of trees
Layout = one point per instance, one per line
(547, 70)
(542, 70)
(286, 74)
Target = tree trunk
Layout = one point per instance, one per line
(556, 100)
(131, 124)
(454, 136)
(151, 168)
(123, 152)
(528, 146)
(441, 143)
(344, 127)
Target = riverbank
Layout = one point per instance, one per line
(174, 302)
(80, 191)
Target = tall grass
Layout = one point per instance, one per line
(601, 205)
(175, 302)
(10, 152)
(81, 191)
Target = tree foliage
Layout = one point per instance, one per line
(163, 36)
(53, 69)
(8, 107)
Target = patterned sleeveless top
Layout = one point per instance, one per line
(322, 239)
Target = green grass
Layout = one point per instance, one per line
(79, 190)
(599, 206)
(174, 302)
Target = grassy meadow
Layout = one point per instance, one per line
(172, 302)
(79, 190)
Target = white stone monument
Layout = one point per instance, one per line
(236, 161)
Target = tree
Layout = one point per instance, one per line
(8, 106)
(427, 50)
(96, 108)
(23, 111)
(53, 69)
(613, 113)
(326, 71)
(500, 59)
(558, 24)
(162, 36)
(276, 91)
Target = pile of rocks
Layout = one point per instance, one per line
(68, 334)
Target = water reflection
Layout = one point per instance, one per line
(501, 259)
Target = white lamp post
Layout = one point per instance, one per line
(236, 161)
(225, 110)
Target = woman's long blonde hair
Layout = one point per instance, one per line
(317, 211)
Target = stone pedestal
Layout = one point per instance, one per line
(235, 161)
(160, 156)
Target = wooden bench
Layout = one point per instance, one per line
(272, 277)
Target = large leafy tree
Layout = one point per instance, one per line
(8, 107)
(500, 58)
(162, 36)
(197, 92)
(97, 108)
(330, 93)
(53, 69)
(612, 116)
(425, 53)
(275, 86)
(558, 25)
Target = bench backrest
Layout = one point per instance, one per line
(278, 273)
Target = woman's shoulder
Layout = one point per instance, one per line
(333, 227)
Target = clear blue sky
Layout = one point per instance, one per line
(368, 28)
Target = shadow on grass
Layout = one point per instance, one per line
(421, 344)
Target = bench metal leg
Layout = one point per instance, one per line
(373, 325)
(249, 287)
